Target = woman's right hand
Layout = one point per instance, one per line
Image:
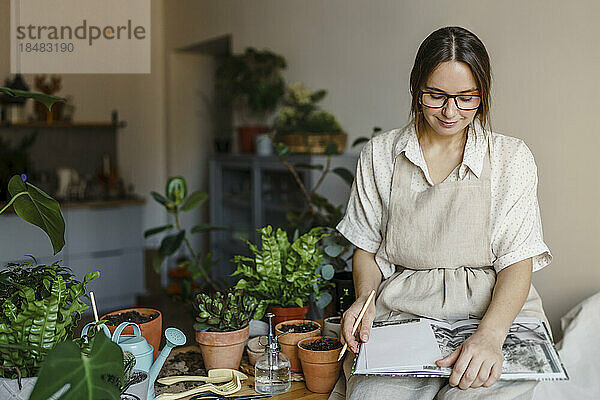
(348, 319)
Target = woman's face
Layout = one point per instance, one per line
(450, 77)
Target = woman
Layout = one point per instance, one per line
(445, 219)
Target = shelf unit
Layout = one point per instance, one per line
(64, 124)
(248, 192)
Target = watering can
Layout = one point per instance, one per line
(142, 350)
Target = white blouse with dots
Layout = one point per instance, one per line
(516, 227)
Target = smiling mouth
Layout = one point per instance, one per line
(448, 123)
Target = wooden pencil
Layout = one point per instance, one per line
(357, 322)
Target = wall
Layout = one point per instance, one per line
(544, 63)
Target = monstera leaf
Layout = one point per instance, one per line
(43, 98)
(89, 376)
(37, 208)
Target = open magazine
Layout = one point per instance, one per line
(411, 347)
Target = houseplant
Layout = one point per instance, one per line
(222, 326)
(303, 127)
(320, 366)
(286, 275)
(96, 370)
(197, 268)
(253, 81)
(298, 330)
(40, 305)
(318, 211)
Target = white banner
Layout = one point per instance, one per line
(80, 36)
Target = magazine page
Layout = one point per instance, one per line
(413, 345)
(528, 350)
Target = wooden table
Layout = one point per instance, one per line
(297, 392)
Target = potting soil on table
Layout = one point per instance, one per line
(183, 363)
(299, 328)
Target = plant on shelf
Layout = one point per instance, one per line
(222, 326)
(254, 83)
(198, 267)
(285, 274)
(303, 126)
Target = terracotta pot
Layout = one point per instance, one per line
(321, 368)
(289, 341)
(288, 313)
(247, 137)
(255, 348)
(151, 330)
(222, 349)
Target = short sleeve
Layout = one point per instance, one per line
(519, 235)
(362, 222)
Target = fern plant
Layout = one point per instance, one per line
(39, 306)
(283, 273)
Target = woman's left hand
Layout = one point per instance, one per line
(477, 361)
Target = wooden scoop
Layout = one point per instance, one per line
(219, 375)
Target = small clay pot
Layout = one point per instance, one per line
(222, 349)
(289, 341)
(151, 330)
(255, 348)
(321, 368)
(332, 326)
(288, 313)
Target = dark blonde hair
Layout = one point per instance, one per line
(451, 43)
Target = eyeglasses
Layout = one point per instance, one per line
(465, 102)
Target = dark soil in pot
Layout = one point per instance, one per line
(129, 316)
(299, 328)
(322, 344)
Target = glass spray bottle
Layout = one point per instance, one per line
(272, 372)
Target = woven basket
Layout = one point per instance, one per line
(313, 143)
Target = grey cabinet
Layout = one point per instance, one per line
(108, 239)
(248, 192)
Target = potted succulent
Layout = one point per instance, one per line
(321, 368)
(253, 81)
(286, 275)
(303, 127)
(222, 326)
(298, 330)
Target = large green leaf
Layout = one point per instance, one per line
(157, 230)
(159, 198)
(194, 200)
(45, 99)
(87, 375)
(39, 209)
(171, 243)
(205, 228)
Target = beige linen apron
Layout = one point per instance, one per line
(439, 240)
